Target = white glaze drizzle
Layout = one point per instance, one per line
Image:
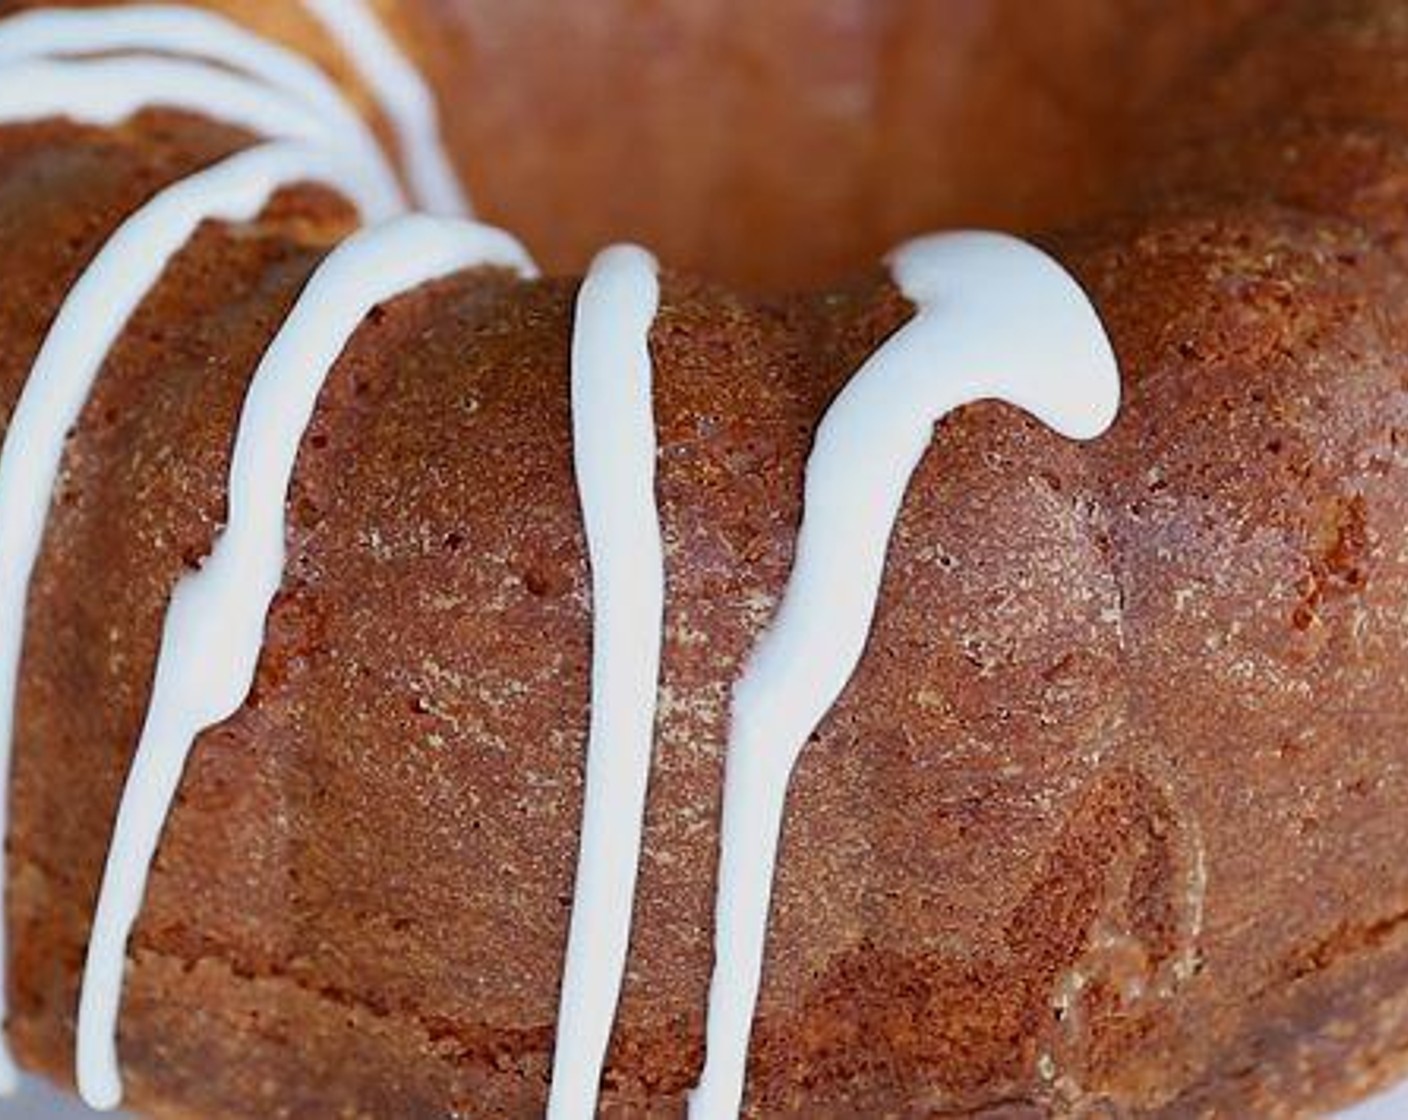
(105, 91)
(214, 625)
(995, 319)
(87, 325)
(89, 322)
(162, 30)
(147, 56)
(101, 301)
(613, 443)
(404, 97)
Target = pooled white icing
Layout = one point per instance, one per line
(613, 441)
(404, 97)
(995, 319)
(214, 625)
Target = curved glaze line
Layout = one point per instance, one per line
(89, 322)
(214, 626)
(108, 90)
(613, 445)
(994, 319)
(104, 91)
(160, 29)
(404, 97)
(87, 325)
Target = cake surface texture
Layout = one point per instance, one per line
(1107, 818)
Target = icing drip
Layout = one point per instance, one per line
(163, 30)
(110, 289)
(613, 434)
(403, 95)
(214, 625)
(108, 90)
(87, 325)
(995, 319)
(192, 60)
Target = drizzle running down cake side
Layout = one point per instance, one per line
(974, 687)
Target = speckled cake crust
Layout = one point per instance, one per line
(1108, 823)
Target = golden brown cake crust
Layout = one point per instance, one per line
(1107, 823)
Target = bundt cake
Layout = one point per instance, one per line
(435, 689)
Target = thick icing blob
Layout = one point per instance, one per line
(613, 443)
(995, 319)
(214, 626)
